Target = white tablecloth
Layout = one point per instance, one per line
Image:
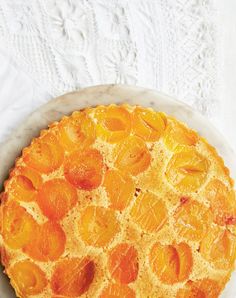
(183, 48)
(186, 48)
(227, 74)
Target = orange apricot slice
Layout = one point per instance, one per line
(17, 225)
(117, 291)
(120, 189)
(98, 225)
(171, 263)
(147, 124)
(44, 154)
(47, 243)
(123, 263)
(24, 184)
(132, 156)
(192, 220)
(177, 137)
(72, 277)
(84, 169)
(187, 170)
(219, 248)
(27, 278)
(76, 132)
(113, 123)
(222, 201)
(205, 288)
(149, 212)
(56, 197)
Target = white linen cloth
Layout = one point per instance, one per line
(185, 48)
(51, 47)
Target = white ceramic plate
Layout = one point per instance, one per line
(107, 94)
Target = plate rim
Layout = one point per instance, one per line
(99, 90)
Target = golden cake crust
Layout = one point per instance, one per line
(122, 201)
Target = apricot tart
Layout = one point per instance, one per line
(118, 201)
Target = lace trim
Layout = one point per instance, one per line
(169, 45)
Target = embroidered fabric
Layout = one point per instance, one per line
(168, 45)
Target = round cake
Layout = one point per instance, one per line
(118, 201)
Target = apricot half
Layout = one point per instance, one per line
(84, 169)
(27, 278)
(178, 137)
(171, 263)
(132, 156)
(222, 201)
(98, 225)
(219, 248)
(120, 189)
(149, 212)
(113, 123)
(205, 288)
(24, 184)
(44, 154)
(147, 124)
(72, 277)
(47, 243)
(117, 291)
(187, 170)
(76, 132)
(123, 263)
(192, 220)
(17, 225)
(56, 197)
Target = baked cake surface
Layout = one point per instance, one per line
(118, 201)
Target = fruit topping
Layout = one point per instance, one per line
(17, 225)
(149, 212)
(44, 154)
(84, 169)
(56, 197)
(187, 170)
(123, 263)
(27, 278)
(192, 220)
(132, 156)
(72, 277)
(120, 189)
(47, 243)
(113, 123)
(222, 201)
(117, 291)
(219, 247)
(171, 263)
(178, 137)
(98, 226)
(147, 124)
(76, 132)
